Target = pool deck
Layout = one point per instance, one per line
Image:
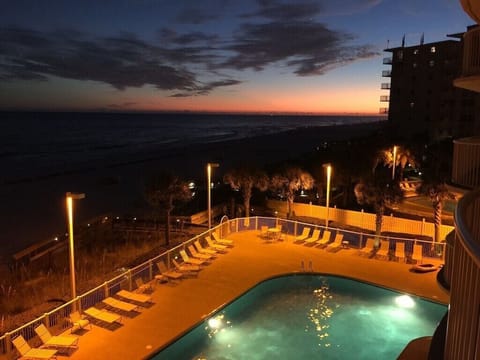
(179, 305)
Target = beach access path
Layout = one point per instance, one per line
(180, 305)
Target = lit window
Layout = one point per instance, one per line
(412, 104)
(433, 49)
(431, 63)
(414, 65)
(415, 52)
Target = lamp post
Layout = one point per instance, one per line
(327, 203)
(394, 161)
(209, 191)
(70, 198)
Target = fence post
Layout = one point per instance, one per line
(105, 284)
(150, 270)
(8, 343)
(46, 318)
(295, 228)
(422, 231)
(129, 275)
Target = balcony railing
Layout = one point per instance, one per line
(386, 73)
(387, 61)
(385, 86)
(383, 110)
(463, 330)
(471, 52)
(384, 98)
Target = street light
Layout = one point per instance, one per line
(329, 175)
(209, 190)
(70, 198)
(394, 161)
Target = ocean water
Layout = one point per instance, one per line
(106, 156)
(44, 144)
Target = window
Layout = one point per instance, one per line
(400, 55)
(414, 65)
(431, 63)
(412, 104)
(433, 49)
(415, 52)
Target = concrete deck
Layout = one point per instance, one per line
(180, 305)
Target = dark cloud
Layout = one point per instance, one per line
(280, 11)
(206, 88)
(121, 62)
(193, 15)
(308, 47)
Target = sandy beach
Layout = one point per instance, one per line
(33, 210)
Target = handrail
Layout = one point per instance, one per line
(466, 212)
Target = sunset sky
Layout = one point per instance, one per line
(320, 56)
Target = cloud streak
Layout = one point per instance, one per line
(275, 34)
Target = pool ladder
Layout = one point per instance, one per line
(310, 266)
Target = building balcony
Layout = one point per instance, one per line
(384, 98)
(383, 110)
(387, 61)
(386, 73)
(385, 86)
(470, 78)
(463, 329)
(472, 8)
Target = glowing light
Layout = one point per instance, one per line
(405, 301)
(215, 323)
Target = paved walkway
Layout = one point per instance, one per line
(180, 305)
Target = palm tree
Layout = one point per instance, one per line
(403, 157)
(378, 190)
(437, 192)
(162, 191)
(245, 179)
(290, 181)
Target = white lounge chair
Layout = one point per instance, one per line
(384, 249)
(369, 244)
(190, 260)
(222, 241)
(78, 321)
(116, 304)
(325, 239)
(203, 250)
(400, 250)
(417, 253)
(186, 268)
(143, 287)
(197, 255)
(65, 343)
(138, 298)
(28, 352)
(103, 316)
(217, 247)
(166, 274)
(314, 238)
(303, 236)
(336, 243)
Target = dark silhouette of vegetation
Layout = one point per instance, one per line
(245, 179)
(162, 191)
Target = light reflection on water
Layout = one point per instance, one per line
(320, 317)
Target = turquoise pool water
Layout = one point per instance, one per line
(310, 317)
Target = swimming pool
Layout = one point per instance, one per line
(310, 316)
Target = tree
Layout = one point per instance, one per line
(161, 192)
(291, 180)
(378, 190)
(403, 157)
(245, 179)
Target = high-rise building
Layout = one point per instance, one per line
(423, 101)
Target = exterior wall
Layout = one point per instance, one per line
(463, 330)
(423, 101)
(362, 219)
(466, 162)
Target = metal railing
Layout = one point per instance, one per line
(57, 320)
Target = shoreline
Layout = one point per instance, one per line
(34, 210)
